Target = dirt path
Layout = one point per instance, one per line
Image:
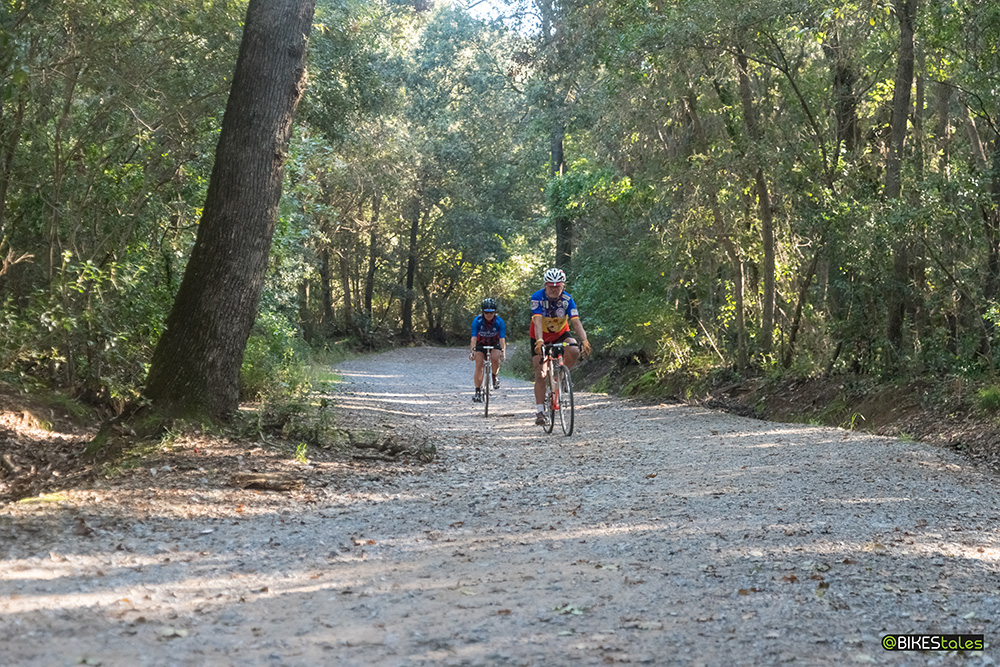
(654, 535)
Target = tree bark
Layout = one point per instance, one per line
(411, 271)
(906, 11)
(563, 221)
(763, 206)
(724, 239)
(345, 285)
(845, 99)
(372, 254)
(553, 30)
(196, 364)
(326, 317)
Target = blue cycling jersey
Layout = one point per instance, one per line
(488, 333)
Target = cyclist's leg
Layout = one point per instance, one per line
(571, 354)
(495, 367)
(495, 360)
(536, 365)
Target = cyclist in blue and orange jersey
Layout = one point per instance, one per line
(487, 329)
(552, 312)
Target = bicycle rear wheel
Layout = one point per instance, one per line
(565, 401)
(551, 400)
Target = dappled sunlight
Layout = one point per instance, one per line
(342, 375)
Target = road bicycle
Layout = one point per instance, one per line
(486, 386)
(558, 387)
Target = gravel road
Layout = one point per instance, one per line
(655, 534)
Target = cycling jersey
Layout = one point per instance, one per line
(488, 333)
(556, 314)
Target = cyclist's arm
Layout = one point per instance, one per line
(536, 325)
(472, 344)
(578, 326)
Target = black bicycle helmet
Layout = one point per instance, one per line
(489, 305)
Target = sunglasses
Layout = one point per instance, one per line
(554, 284)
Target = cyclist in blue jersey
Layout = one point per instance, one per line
(487, 329)
(552, 312)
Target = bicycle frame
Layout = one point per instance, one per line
(558, 386)
(486, 384)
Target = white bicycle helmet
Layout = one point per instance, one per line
(555, 276)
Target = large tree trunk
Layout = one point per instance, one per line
(906, 11)
(196, 365)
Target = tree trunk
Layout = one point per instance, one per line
(345, 285)
(793, 331)
(411, 271)
(845, 99)
(942, 128)
(906, 11)
(10, 133)
(305, 319)
(326, 317)
(372, 255)
(562, 219)
(724, 239)
(553, 31)
(196, 365)
(763, 206)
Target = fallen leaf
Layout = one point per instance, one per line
(569, 609)
(170, 633)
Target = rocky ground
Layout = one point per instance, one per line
(655, 534)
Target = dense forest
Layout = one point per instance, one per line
(769, 186)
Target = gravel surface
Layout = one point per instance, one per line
(655, 534)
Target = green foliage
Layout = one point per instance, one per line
(436, 122)
(643, 384)
(274, 361)
(988, 400)
(624, 305)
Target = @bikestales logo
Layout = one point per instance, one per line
(933, 642)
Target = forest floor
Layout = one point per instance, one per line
(658, 533)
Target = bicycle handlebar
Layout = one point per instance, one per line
(556, 349)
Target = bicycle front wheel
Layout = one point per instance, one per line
(565, 400)
(551, 401)
(487, 385)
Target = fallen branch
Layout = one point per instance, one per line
(265, 482)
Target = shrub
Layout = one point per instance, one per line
(988, 400)
(274, 361)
